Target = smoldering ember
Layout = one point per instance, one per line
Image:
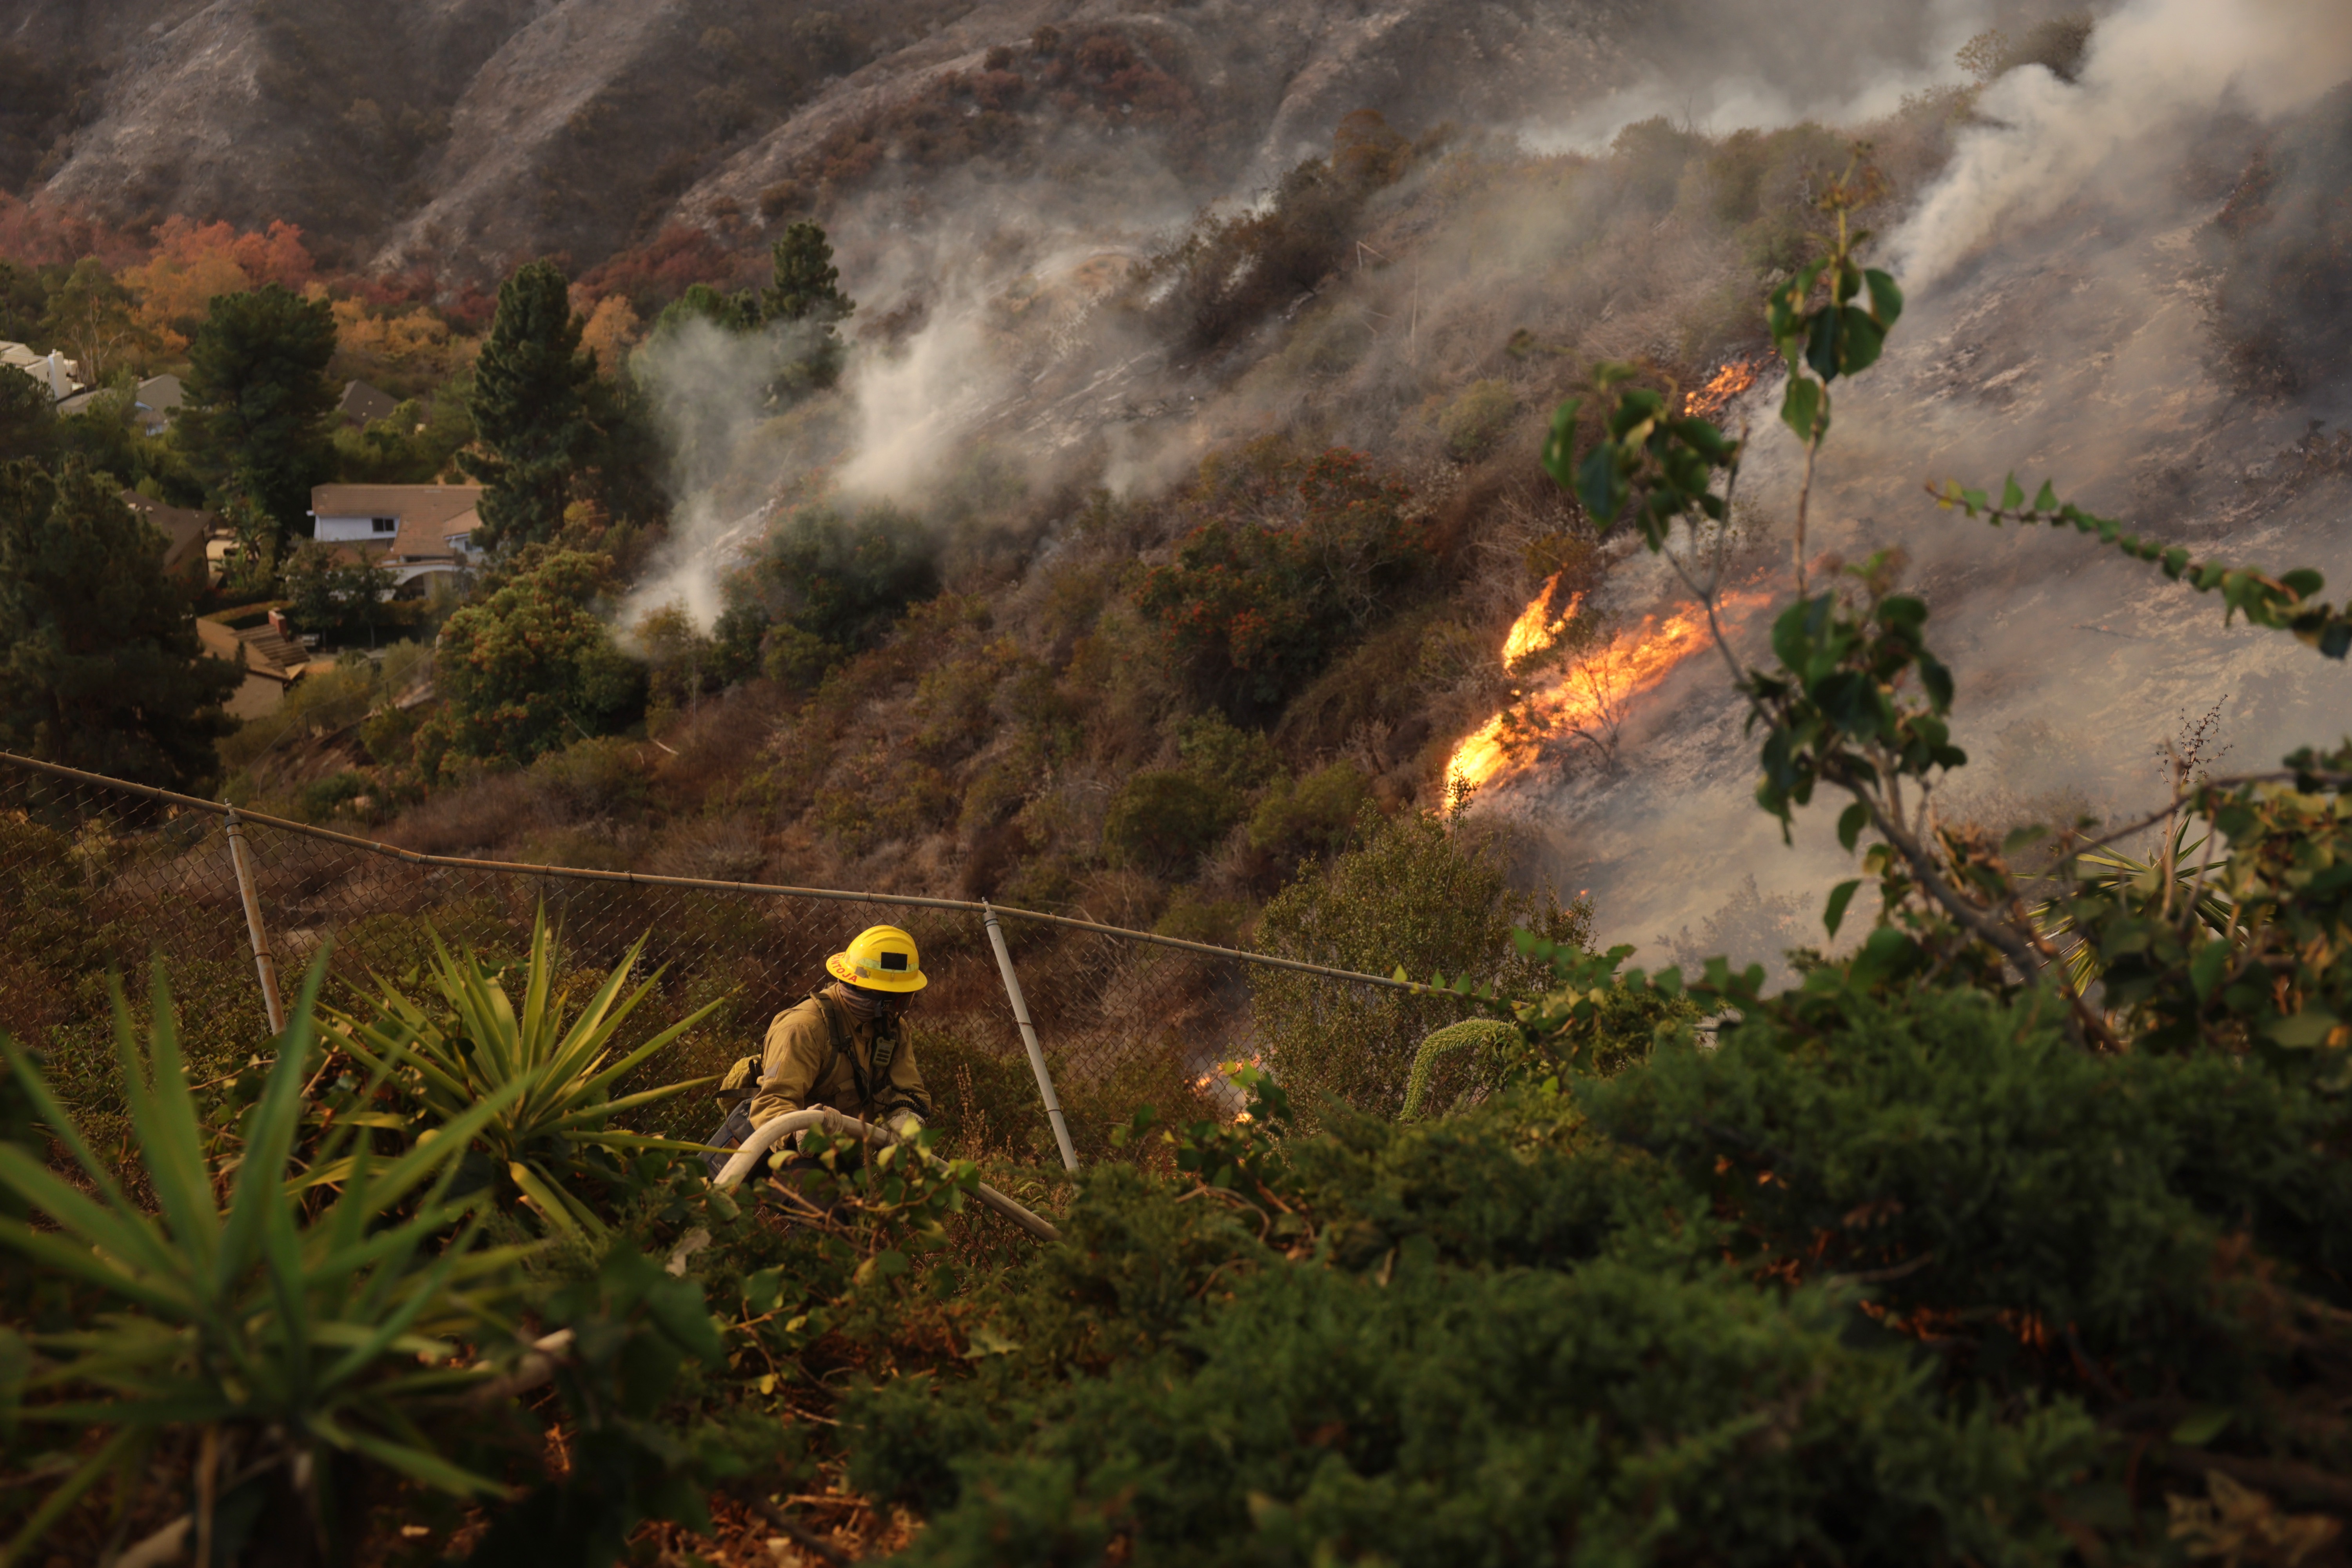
(1546, 782)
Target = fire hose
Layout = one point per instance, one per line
(768, 1134)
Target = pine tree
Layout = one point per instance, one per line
(100, 666)
(807, 292)
(23, 298)
(28, 423)
(260, 409)
(530, 409)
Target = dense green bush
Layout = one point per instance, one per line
(529, 667)
(1255, 609)
(1469, 1342)
(1164, 822)
(1310, 819)
(1427, 893)
(1478, 418)
(2101, 1192)
(829, 585)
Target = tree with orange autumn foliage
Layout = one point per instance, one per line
(194, 264)
(403, 352)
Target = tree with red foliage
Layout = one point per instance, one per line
(193, 264)
(1256, 608)
(651, 275)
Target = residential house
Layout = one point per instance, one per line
(364, 405)
(413, 531)
(273, 661)
(185, 532)
(159, 398)
(152, 404)
(61, 375)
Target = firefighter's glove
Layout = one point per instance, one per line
(741, 1079)
(904, 1126)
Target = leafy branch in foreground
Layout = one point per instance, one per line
(1836, 337)
(552, 1079)
(2282, 602)
(1858, 701)
(303, 1346)
(1836, 709)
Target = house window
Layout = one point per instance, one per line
(384, 525)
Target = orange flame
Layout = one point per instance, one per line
(1533, 632)
(1715, 397)
(1588, 696)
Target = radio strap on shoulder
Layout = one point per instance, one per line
(836, 1034)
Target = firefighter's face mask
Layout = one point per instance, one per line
(885, 1006)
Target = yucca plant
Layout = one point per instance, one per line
(553, 1076)
(299, 1338)
(2128, 877)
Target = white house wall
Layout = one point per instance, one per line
(350, 530)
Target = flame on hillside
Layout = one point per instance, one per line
(1587, 699)
(1728, 382)
(1538, 628)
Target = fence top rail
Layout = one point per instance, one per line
(767, 889)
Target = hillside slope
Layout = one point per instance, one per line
(462, 134)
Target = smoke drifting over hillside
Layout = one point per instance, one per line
(2060, 326)
(2049, 234)
(2156, 70)
(1758, 66)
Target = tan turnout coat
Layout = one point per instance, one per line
(820, 1053)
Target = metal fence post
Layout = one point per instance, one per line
(262, 963)
(1029, 1038)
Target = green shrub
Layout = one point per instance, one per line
(831, 585)
(530, 668)
(1648, 160)
(1426, 892)
(553, 1141)
(601, 777)
(1311, 818)
(1503, 1335)
(296, 1336)
(322, 798)
(2101, 1191)
(1214, 750)
(327, 700)
(1188, 918)
(1253, 609)
(1164, 822)
(1474, 422)
(390, 736)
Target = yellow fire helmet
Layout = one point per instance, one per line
(879, 958)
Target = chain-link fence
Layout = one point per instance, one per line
(96, 873)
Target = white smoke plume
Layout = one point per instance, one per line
(2151, 65)
(1870, 82)
(708, 391)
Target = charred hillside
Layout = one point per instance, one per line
(468, 133)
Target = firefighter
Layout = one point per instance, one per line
(845, 1047)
